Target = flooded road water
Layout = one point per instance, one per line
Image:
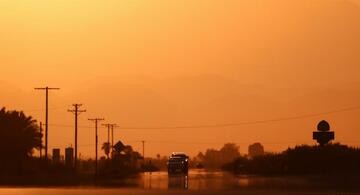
(218, 180)
(196, 182)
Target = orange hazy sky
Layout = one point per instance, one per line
(161, 63)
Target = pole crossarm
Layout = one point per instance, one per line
(96, 119)
(76, 109)
(49, 88)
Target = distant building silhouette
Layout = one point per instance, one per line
(256, 149)
(323, 135)
(69, 157)
(56, 156)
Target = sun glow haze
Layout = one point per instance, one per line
(174, 63)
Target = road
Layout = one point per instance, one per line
(197, 182)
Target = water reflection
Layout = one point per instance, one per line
(180, 181)
(196, 179)
(155, 180)
(205, 180)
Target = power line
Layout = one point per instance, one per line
(230, 124)
(67, 145)
(249, 122)
(39, 109)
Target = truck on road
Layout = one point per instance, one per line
(178, 163)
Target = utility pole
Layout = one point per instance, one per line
(96, 142)
(108, 125)
(143, 148)
(112, 137)
(46, 116)
(41, 140)
(76, 111)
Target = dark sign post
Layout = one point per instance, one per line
(323, 135)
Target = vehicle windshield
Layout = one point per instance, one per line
(178, 156)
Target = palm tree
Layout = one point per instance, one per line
(19, 136)
(106, 148)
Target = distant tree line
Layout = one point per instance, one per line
(215, 159)
(332, 158)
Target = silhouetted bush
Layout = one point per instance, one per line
(124, 162)
(332, 158)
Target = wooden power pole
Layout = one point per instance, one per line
(76, 111)
(143, 149)
(96, 120)
(46, 116)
